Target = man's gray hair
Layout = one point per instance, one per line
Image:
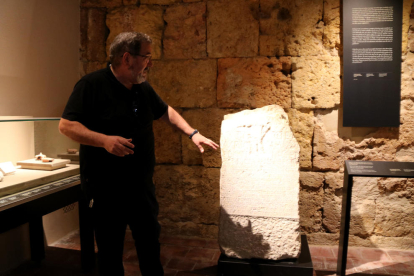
(126, 42)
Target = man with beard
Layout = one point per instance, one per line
(110, 113)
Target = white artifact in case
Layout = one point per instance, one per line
(1, 176)
(7, 168)
(72, 151)
(40, 156)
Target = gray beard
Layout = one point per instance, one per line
(141, 79)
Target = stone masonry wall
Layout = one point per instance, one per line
(216, 57)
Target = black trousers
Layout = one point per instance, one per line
(112, 213)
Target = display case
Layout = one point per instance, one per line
(39, 196)
(21, 139)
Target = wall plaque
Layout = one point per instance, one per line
(372, 33)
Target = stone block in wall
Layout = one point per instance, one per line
(131, 2)
(144, 19)
(83, 32)
(406, 129)
(159, 2)
(383, 149)
(323, 238)
(89, 67)
(188, 229)
(326, 149)
(169, 228)
(407, 76)
(407, 7)
(332, 202)
(316, 82)
(167, 143)
(334, 182)
(311, 180)
(232, 28)
(254, 82)
(302, 125)
(397, 187)
(364, 210)
(96, 35)
(363, 214)
(199, 230)
(310, 210)
(410, 37)
(411, 42)
(208, 122)
(187, 194)
(311, 201)
(356, 241)
(291, 28)
(400, 243)
(185, 32)
(394, 216)
(332, 29)
(405, 155)
(332, 206)
(330, 151)
(366, 188)
(100, 3)
(185, 83)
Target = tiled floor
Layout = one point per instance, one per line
(364, 261)
(190, 256)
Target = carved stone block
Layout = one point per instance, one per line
(259, 186)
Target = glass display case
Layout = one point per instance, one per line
(38, 196)
(21, 139)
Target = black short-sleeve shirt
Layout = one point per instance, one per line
(102, 104)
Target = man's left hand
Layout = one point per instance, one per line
(200, 140)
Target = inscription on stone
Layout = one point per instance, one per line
(259, 185)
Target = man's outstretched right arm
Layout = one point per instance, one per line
(76, 131)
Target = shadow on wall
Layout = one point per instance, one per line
(236, 235)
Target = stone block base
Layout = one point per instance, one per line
(254, 267)
(247, 237)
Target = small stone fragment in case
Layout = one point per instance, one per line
(72, 151)
(7, 168)
(46, 159)
(40, 156)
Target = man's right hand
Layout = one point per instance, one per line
(118, 146)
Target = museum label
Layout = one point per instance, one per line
(372, 35)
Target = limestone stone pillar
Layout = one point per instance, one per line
(259, 185)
